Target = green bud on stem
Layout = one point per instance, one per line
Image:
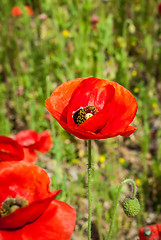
(131, 207)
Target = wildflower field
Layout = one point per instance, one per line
(51, 133)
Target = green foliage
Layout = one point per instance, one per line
(37, 55)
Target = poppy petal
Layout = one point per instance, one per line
(24, 180)
(121, 111)
(29, 156)
(57, 222)
(27, 138)
(27, 214)
(128, 131)
(44, 143)
(91, 91)
(10, 150)
(58, 102)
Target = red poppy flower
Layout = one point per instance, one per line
(10, 150)
(150, 232)
(32, 141)
(159, 8)
(29, 10)
(92, 108)
(41, 142)
(16, 11)
(28, 209)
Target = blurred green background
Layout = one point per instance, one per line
(118, 40)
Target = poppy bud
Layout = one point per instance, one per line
(94, 19)
(42, 16)
(131, 207)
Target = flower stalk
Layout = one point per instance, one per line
(89, 189)
(117, 200)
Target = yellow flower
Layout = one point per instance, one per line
(122, 160)
(65, 33)
(134, 73)
(102, 159)
(154, 105)
(138, 182)
(136, 90)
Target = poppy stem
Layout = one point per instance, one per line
(89, 189)
(117, 200)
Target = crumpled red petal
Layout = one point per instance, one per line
(29, 156)
(10, 150)
(41, 142)
(44, 143)
(26, 181)
(27, 138)
(94, 92)
(56, 223)
(121, 111)
(58, 102)
(23, 180)
(27, 214)
(128, 131)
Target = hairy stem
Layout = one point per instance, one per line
(117, 200)
(89, 189)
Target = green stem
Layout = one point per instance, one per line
(117, 200)
(89, 189)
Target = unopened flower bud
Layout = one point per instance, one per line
(131, 207)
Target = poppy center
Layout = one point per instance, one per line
(12, 204)
(82, 114)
